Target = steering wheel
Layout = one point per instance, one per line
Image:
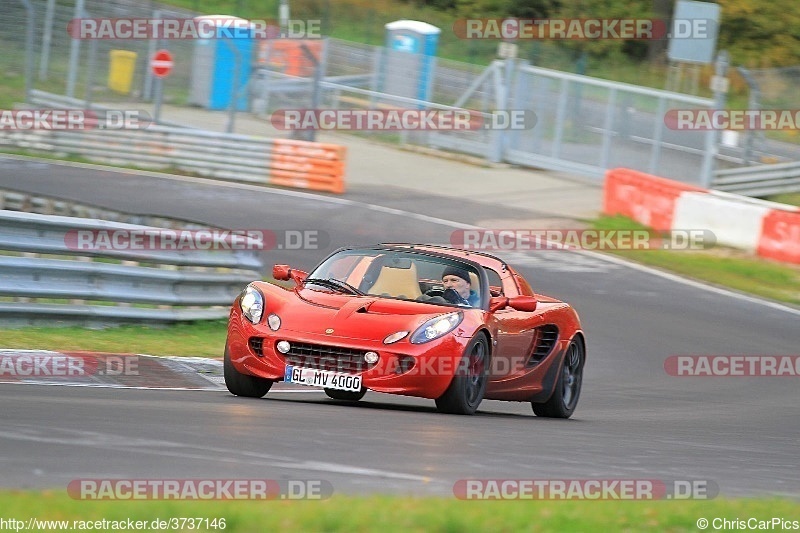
(436, 291)
(433, 296)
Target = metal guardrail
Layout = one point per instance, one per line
(45, 99)
(761, 180)
(45, 281)
(235, 157)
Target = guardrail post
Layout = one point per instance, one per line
(74, 53)
(29, 46)
(753, 102)
(712, 137)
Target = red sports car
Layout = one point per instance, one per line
(452, 325)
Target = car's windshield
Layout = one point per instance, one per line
(399, 275)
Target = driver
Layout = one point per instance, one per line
(458, 287)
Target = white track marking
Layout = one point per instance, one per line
(184, 451)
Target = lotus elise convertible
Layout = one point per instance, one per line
(452, 325)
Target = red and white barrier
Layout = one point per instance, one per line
(780, 236)
(645, 198)
(769, 229)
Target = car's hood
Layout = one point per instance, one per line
(357, 317)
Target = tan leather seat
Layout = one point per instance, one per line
(397, 282)
(474, 283)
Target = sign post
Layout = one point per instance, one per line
(161, 65)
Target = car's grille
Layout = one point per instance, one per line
(546, 338)
(257, 345)
(323, 357)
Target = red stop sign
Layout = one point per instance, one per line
(161, 63)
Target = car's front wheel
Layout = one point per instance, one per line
(564, 399)
(243, 384)
(350, 396)
(465, 392)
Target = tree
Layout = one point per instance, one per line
(761, 34)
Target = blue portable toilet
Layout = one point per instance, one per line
(215, 61)
(410, 59)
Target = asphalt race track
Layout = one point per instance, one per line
(633, 422)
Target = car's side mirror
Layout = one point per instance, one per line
(286, 273)
(497, 302)
(281, 272)
(526, 304)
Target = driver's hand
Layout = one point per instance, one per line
(453, 297)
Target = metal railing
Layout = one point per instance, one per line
(760, 180)
(46, 280)
(227, 156)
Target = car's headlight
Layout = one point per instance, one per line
(252, 304)
(436, 327)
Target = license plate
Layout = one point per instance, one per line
(322, 378)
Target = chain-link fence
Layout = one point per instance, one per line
(778, 87)
(55, 51)
(584, 124)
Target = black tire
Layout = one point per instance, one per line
(346, 395)
(242, 384)
(465, 392)
(567, 390)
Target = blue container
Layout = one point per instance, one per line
(411, 75)
(215, 62)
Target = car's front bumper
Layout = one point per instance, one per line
(423, 370)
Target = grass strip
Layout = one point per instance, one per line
(402, 513)
(792, 198)
(719, 266)
(196, 339)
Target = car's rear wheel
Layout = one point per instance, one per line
(565, 396)
(243, 384)
(465, 392)
(346, 395)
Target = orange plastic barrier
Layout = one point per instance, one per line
(307, 165)
(780, 236)
(287, 55)
(648, 199)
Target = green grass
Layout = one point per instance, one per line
(389, 513)
(197, 339)
(12, 70)
(718, 266)
(787, 198)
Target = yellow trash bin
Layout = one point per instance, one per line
(120, 71)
